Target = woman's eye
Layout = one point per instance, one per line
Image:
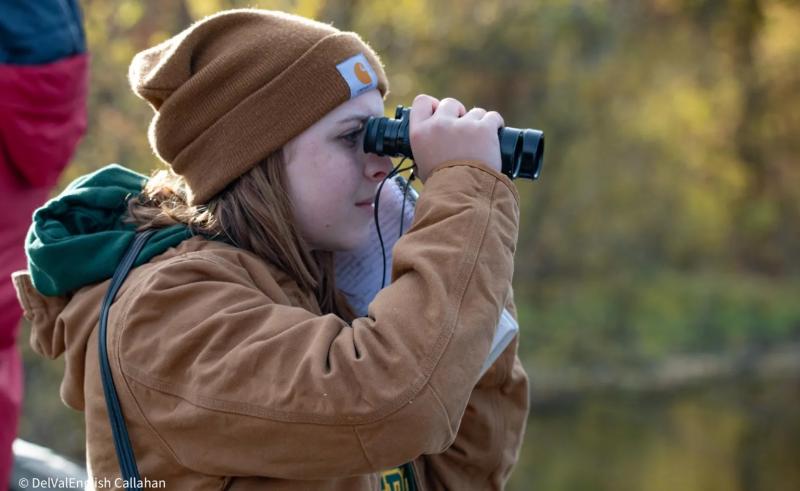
(352, 138)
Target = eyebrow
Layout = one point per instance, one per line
(356, 117)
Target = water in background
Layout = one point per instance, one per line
(739, 435)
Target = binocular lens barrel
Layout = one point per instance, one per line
(521, 152)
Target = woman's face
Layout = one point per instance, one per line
(331, 181)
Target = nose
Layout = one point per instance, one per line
(377, 167)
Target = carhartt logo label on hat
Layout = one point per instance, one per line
(358, 74)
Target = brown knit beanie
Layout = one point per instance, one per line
(236, 86)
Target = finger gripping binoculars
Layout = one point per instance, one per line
(521, 150)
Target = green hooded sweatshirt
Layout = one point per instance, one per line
(78, 238)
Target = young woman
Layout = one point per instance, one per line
(237, 363)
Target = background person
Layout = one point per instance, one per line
(43, 85)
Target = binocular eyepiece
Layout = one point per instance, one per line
(521, 150)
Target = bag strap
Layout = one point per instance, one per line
(122, 442)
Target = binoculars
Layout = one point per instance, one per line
(521, 150)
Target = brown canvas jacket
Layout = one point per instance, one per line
(230, 378)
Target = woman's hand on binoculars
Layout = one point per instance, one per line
(444, 130)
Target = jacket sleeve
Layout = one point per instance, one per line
(236, 383)
(491, 433)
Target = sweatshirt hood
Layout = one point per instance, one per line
(79, 237)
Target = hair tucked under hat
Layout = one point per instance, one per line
(236, 86)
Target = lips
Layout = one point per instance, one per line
(364, 202)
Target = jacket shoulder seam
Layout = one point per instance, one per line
(149, 424)
(363, 449)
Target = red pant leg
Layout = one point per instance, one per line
(18, 203)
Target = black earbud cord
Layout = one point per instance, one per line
(391, 174)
